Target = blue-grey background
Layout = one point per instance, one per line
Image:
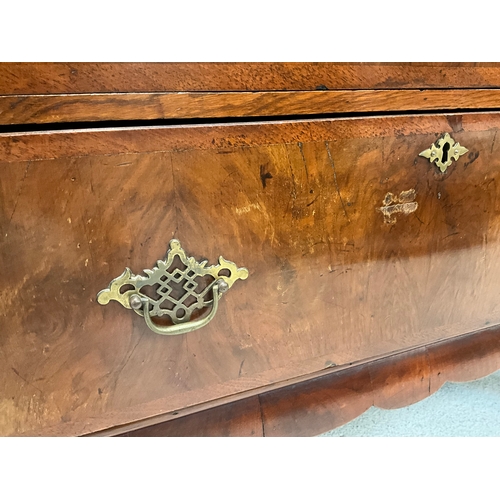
(455, 410)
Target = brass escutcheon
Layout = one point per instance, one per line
(443, 151)
(190, 293)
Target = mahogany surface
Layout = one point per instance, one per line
(239, 418)
(309, 408)
(38, 109)
(332, 281)
(76, 78)
(32, 146)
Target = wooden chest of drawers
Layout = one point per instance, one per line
(358, 248)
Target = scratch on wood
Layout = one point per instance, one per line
(294, 189)
(241, 367)
(419, 219)
(25, 381)
(493, 143)
(124, 363)
(404, 203)
(335, 179)
(303, 158)
(91, 176)
(310, 203)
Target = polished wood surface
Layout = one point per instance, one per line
(312, 407)
(60, 78)
(32, 146)
(154, 106)
(239, 418)
(333, 281)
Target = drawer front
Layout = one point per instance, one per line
(356, 247)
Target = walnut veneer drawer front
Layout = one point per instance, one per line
(356, 247)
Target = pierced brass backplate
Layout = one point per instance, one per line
(180, 286)
(443, 151)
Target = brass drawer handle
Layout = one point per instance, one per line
(177, 280)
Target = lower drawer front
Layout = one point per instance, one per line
(356, 247)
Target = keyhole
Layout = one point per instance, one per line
(446, 148)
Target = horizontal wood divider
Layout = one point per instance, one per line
(59, 78)
(70, 108)
(311, 407)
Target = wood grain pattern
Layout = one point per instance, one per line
(315, 407)
(154, 106)
(240, 418)
(34, 146)
(309, 408)
(331, 281)
(73, 78)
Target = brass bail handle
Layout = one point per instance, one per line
(190, 294)
(141, 302)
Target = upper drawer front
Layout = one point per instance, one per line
(356, 246)
(92, 78)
